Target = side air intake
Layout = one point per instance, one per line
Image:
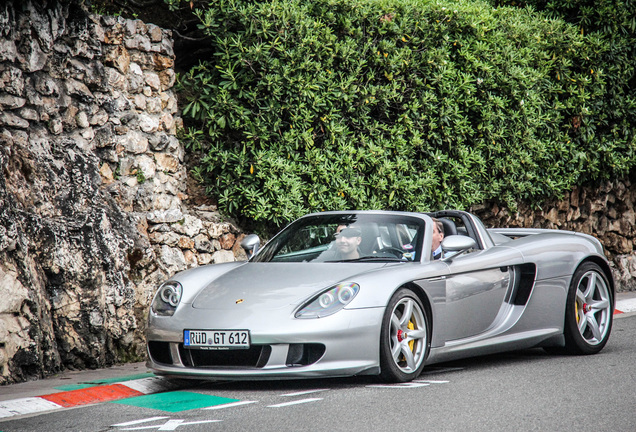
(526, 276)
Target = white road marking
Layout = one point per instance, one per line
(432, 382)
(230, 405)
(171, 425)
(399, 385)
(135, 422)
(304, 392)
(301, 401)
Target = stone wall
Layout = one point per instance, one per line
(94, 207)
(606, 212)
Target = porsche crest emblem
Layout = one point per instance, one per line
(239, 301)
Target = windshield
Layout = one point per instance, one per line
(347, 238)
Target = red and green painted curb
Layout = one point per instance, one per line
(148, 391)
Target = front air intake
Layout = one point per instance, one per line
(304, 354)
(256, 356)
(160, 352)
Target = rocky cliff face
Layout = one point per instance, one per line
(94, 209)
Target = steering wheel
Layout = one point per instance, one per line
(392, 250)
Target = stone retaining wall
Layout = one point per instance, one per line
(94, 207)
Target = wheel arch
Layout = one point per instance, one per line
(421, 294)
(606, 270)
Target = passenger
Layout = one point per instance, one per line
(438, 236)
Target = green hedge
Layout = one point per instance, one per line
(408, 105)
(611, 24)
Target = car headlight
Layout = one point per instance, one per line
(329, 302)
(167, 298)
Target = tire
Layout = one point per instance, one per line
(589, 311)
(404, 338)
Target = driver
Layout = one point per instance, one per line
(348, 239)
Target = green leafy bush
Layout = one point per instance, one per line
(610, 124)
(404, 104)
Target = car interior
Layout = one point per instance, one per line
(456, 223)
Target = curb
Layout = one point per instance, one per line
(85, 396)
(625, 306)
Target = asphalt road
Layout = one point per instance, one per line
(521, 391)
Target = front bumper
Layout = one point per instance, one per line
(344, 344)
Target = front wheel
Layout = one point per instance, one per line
(589, 311)
(404, 338)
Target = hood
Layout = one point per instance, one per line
(275, 285)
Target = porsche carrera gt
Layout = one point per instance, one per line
(359, 293)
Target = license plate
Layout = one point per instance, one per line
(216, 339)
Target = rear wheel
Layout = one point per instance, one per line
(589, 311)
(404, 339)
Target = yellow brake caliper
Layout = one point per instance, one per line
(403, 335)
(411, 326)
(576, 309)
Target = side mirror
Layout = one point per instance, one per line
(458, 243)
(250, 244)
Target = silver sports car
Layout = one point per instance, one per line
(361, 293)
